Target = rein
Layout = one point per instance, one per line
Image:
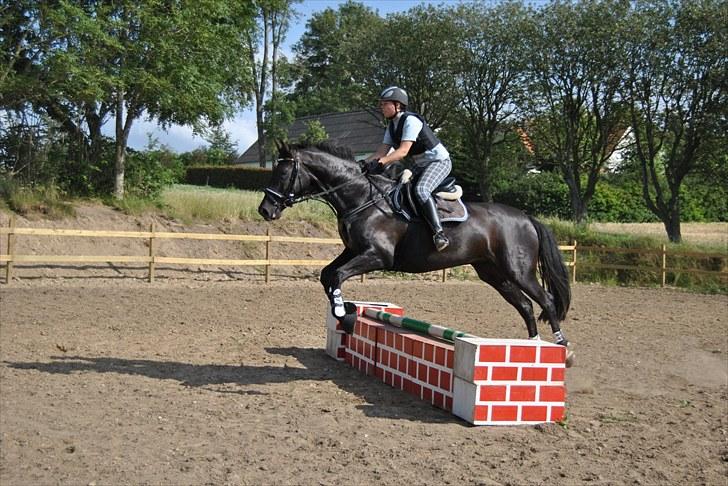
(289, 198)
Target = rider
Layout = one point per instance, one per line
(408, 134)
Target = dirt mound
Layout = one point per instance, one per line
(98, 217)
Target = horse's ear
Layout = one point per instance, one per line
(284, 151)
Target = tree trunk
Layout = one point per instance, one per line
(672, 224)
(261, 85)
(119, 153)
(485, 193)
(578, 209)
(578, 205)
(123, 127)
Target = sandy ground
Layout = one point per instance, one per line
(117, 381)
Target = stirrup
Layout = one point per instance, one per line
(440, 240)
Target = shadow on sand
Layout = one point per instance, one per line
(381, 400)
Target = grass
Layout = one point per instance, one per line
(26, 200)
(196, 203)
(191, 204)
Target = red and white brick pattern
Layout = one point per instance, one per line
(509, 381)
(404, 360)
(336, 338)
(483, 381)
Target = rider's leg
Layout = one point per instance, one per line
(431, 177)
(429, 212)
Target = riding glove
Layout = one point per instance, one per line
(374, 167)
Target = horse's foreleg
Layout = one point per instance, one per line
(337, 274)
(332, 284)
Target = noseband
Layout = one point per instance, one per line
(288, 199)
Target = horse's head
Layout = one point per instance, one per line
(279, 193)
(302, 171)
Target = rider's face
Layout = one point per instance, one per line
(388, 108)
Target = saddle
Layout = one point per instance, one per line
(450, 207)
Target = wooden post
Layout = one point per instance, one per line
(151, 253)
(664, 265)
(363, 275)
(267, 256)
(11, 250)
(573, 267)
(444, 275)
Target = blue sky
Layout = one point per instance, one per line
(242, 128)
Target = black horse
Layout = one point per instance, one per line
(504, 245)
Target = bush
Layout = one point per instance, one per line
(25, 199)
(703, 203)
(616, 199)
(148, 172)
(623, 203)
(544, 194)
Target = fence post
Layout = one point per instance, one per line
(11, 250)
(573, 267)
(151, 253)
(663, 267)
(267, 256)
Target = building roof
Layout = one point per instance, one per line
(361, 131)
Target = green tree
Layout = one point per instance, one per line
(415, 50)
(315, 132)
(179, 63)
(221, 150)
(328, 78)
(493, 53)
(676, 90)
(575, 114)
(273, 19)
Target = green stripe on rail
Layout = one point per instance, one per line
(415, 325)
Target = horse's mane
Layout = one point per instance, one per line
(328, 147)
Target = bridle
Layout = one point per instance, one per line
(288, 198)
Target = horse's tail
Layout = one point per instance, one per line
(552, 268)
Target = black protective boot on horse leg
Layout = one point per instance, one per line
(429, 212)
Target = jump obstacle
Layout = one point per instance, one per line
(483, 381)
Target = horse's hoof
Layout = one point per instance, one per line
(348, 320)
(570, 358)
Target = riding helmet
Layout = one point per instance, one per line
(393, 93)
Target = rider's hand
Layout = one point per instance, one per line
(374, 167)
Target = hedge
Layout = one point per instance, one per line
(248, 178)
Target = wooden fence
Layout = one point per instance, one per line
(152, 259)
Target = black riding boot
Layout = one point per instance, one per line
(429, 211)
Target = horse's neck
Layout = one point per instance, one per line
(355, 189)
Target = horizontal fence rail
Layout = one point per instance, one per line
(152, 258)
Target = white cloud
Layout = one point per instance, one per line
(179, 138)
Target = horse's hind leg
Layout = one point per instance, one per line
(513, 295)
(530, 285)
